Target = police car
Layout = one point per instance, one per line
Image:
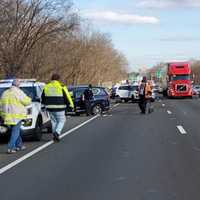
(38, 118)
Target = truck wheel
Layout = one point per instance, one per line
(38, 130)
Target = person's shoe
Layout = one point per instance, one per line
(11, 151)
(56, 137)
(22, 148)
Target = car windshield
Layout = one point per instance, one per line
(180, 77)
(29, 91)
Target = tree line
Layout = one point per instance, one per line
(41, 37)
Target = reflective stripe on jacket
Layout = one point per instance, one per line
(56, 97)
(12, 105)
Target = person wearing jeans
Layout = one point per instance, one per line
(58, 121)
(15, 142)
(13, 110)
(56, 97)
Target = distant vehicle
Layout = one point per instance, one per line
(127, 92)
(38, 118)
(134, 93)
(178, 83)
(196, 89)
(123, 93)
(100, 103)
(155, 92)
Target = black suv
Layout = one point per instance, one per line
(99, 103)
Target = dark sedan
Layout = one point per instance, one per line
(99, 103)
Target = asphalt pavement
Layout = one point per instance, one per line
(122, 155)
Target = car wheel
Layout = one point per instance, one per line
(97, 109)
(132, 99)
(38, 130)
(77, 114)
(126, 100)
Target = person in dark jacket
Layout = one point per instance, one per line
(56, 97)
(87, 98)
(144, 95)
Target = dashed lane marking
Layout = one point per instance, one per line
(116, 105)
(182, 130)
(44, 146)
(107, 115)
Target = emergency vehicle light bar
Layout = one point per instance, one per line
(21, 80)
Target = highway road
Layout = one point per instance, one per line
(122, 155)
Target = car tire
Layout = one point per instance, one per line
(97, 109)
(77, 114)
(126, 100)
(132, 99)
(38, 130)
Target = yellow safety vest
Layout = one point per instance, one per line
(55, 95)
(12, 105)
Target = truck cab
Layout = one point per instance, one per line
(179, 82)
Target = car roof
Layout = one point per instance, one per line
(83, 86)
(23, 83)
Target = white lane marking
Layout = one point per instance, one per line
(116, 105)
(44, 146)
(107, 115)
(169, 112)
(181, 129)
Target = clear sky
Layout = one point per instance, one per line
(147, 31)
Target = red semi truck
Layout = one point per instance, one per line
(179, 83)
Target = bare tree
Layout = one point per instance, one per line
(23, 24)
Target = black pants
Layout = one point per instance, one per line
(88, 107)
(142, 104)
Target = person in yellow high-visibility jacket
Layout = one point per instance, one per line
(13, 111)
(56, 97)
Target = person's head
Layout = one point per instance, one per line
(144, 79)
(16, 82)
(90, 86)
(55, 77)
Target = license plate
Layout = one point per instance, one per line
(3, 129)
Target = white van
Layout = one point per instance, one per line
(38, 118)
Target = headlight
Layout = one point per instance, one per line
(29, 111)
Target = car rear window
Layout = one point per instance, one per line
(124, 88)
(98, 91)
